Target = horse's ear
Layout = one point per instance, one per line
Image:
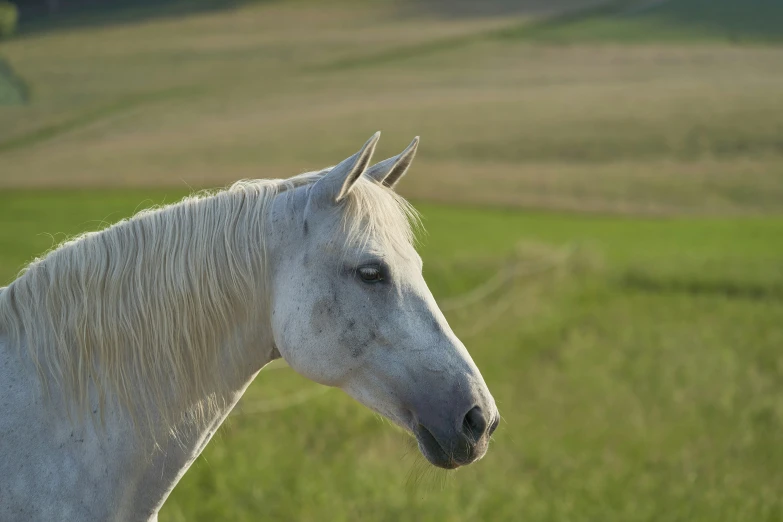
(391, 170)
(337, 183)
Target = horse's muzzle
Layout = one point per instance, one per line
(458, 447)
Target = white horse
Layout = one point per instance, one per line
(122, 351)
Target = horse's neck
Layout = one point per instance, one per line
(128, 473)
(173, 452)
(172, 458)
(144, 465)
(166, 461)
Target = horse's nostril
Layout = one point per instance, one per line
(474, 424)
(494, 425)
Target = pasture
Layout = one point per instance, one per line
(631, 187)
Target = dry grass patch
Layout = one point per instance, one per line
(208, 99)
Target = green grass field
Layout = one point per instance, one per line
(628, 158)
(641, 380)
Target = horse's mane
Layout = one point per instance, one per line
(135, 311)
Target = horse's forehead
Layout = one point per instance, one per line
(363, 231)
(368, 248)
(370, 221)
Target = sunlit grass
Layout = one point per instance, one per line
(620, 400)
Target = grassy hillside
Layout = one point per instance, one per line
(278, 88)
(639, 378)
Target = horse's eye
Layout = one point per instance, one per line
(370, 274)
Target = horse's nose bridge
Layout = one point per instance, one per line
(449, 393)
(475, 392)
(468, 381)
(452, 383)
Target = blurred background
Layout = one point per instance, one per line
(602, 186)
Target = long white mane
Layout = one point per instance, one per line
(135, 311)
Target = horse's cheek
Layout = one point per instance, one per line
(303, 338)
(286, 334)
